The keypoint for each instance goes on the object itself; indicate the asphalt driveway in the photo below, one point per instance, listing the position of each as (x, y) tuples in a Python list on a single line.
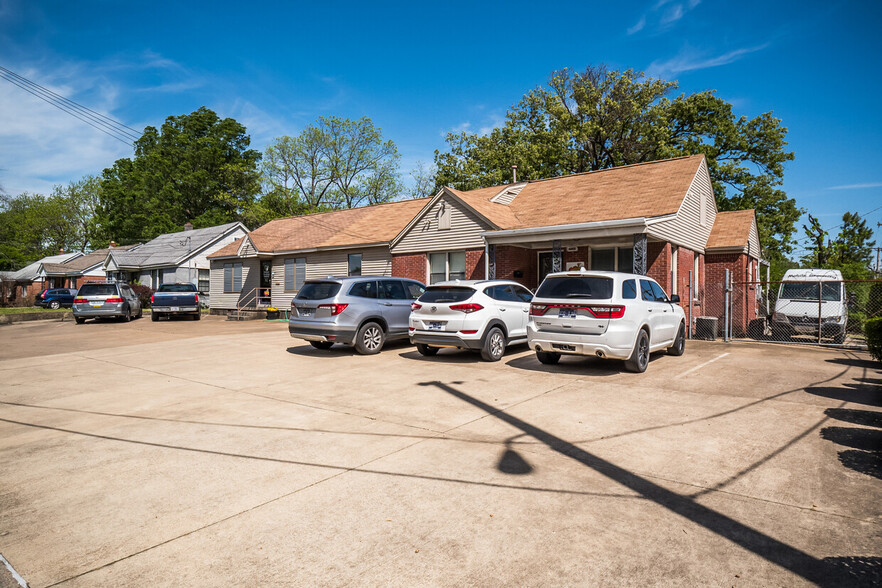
[(211, 453)]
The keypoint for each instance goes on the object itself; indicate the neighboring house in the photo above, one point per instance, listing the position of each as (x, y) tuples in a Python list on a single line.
[(29, 282), (268, 266), (173, 257), (79, 270), (652, 218)]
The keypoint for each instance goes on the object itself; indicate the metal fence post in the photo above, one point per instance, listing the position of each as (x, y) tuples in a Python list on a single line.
[(725, 317), (820, 320), (689, 288)]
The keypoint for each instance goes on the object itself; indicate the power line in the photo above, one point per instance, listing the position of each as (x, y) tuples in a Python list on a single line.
[(811, 239), (103, 123)]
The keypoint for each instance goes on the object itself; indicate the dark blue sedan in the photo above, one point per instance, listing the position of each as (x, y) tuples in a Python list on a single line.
[(56, 297)]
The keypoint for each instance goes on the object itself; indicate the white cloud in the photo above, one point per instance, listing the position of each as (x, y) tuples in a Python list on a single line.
[(673, 14), (663, 15), (690, 60), (857, 186), (638, 26)]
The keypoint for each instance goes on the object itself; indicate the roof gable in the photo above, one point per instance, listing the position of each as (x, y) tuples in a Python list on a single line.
[(734, 230), (172, 248)]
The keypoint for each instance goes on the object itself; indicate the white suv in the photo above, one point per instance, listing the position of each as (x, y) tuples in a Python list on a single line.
[(485, 315), (607, 314)]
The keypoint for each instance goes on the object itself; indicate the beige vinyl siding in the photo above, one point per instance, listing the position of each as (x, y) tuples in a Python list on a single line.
[(464, 232), (200, 261), (228, 300), (753, 240), (246, 249), (375, 261), (685, 228)]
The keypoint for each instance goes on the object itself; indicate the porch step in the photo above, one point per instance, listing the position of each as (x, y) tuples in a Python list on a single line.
[(247, 315)]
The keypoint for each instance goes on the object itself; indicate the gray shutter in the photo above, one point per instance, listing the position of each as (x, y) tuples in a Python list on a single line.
[(300, 276), (237, 277), (228, 277), (289, 275)]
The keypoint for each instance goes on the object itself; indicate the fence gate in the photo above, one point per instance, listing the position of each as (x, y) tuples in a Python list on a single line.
[(816, 313)]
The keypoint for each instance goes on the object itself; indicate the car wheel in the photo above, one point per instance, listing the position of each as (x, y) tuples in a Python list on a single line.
[(54, 305), (140, 312), (426, 350), (79, 320), (839, 338), (127, 317), (370, 339), (154, 316), (640, 356), (679, 345), (197, 316), (321, 344), (779, 334), (494, 345), (548, 357)]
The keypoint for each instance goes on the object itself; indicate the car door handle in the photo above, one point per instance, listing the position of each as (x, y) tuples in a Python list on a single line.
[(650, 310), (386, 303), (502, 309)]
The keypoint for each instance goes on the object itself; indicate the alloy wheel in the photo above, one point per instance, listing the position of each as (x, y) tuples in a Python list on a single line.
[(372, 338)]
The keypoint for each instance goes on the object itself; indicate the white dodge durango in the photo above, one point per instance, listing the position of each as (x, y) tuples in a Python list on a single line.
[(606, 314)]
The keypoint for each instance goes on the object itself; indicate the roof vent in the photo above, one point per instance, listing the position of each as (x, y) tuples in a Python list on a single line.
[(508, 194), (188, 226)]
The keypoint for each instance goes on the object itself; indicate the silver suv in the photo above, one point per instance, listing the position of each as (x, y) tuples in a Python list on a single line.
[(106, 300), (364, 311)]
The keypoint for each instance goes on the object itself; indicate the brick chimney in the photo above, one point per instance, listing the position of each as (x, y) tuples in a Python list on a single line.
[(188, 226), (112, 244), (61, 249)]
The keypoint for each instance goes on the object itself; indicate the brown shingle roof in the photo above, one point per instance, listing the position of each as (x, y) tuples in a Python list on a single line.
[(731, 229), (355, 226), (641, 190)]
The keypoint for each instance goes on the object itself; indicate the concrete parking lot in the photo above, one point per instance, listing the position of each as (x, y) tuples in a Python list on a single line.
[(213, 454)]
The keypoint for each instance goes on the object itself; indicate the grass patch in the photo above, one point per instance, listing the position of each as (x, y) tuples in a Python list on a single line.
[(27, 309)]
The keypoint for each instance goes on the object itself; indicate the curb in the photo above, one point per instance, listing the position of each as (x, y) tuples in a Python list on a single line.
[(7, 319)]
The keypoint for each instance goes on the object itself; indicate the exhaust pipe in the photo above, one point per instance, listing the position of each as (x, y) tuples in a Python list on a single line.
[(600, 353), (538, 348)]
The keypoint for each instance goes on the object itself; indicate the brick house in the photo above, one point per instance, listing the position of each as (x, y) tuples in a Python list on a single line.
[(652, 218), (79, 270)]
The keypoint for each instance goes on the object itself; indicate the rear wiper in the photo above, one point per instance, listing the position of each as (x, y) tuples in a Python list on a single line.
[(446, 300), (574, 295)]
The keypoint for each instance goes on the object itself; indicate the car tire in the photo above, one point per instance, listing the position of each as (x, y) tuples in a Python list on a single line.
[(79, 320), (127, 317), (324, 345), (197, 316), (154, 316), (370, 338), (679, 346), (494, 345), (55, 305), (426, 350), (839, 338), (640, 355), (548, 357), (140, 312)]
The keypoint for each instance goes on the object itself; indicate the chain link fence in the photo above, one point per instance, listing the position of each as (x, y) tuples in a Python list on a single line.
[(809, 312)]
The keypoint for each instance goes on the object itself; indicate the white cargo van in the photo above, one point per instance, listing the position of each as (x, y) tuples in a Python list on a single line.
[(804, 296)]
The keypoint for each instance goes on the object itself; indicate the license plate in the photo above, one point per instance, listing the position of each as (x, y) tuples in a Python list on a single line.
[(567, 313), (175, 308), (98, 305), (305, 312), (435, 326)]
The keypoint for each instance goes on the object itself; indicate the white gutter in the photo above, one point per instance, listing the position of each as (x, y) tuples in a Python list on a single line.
[(553, 230)]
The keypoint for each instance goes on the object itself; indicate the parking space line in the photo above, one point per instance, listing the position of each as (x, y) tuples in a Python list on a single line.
[(15, 575), (701, 365)]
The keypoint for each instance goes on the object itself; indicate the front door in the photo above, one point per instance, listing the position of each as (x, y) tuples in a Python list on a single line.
[(266, 281), (546, 262)]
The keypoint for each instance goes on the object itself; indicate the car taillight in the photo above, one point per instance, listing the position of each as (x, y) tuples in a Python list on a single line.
[(151, 299), (538, 309), (80, 301), (335, 308), (196, 296), (469, 332), (607, 312), (113, 300), (467, 308), (415, 306)]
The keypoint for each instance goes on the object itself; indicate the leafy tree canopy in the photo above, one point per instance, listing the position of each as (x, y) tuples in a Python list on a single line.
[(333, 163), (34, 226), (197, 168), (603, 118), (850, 252)]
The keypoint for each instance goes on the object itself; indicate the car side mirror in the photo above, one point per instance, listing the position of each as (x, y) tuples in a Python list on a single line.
[(675, 299)]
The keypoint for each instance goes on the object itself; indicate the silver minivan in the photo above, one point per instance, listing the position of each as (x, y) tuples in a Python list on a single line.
[(363, 311), (106, 300)]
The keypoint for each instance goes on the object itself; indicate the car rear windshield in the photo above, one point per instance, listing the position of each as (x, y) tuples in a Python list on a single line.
[(446, 294), (177, 288), (594, 288), (97, 290), (809, 291), (318, 290)]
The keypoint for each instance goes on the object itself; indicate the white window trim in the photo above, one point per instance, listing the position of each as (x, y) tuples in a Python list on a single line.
[(675, 250), (696, 264)]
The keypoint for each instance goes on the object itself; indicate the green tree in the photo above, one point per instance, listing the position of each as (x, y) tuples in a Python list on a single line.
[(854, 244), (603, 118), (79, 202), (197, 167), (820, 252), (423, 180), (34, 226)]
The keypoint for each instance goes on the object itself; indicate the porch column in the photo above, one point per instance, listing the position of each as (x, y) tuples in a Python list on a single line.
[(491, 262), (556, 256), (640, 254)]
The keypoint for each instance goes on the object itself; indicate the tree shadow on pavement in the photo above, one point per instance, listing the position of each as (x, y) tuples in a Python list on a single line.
[(868, 396), (867, 418), (856, 362), (856, 438)]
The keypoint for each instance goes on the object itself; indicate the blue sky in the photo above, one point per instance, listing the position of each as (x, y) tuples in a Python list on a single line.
[(420, 70)]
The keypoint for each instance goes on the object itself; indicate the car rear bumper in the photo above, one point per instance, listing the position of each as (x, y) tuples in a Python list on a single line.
[(175, 309), (321, 332), (436, 339), (576, 344), (87, 311)]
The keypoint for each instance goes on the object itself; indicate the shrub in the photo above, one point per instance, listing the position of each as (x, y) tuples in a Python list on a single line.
[(874, 337), (144, 293), (874, 302)]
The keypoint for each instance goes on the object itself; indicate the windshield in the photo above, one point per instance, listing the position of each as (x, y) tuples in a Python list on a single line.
[(177, 288), (97, 290), (594, 288), (446, 294), (318, 290), (809, 291)]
